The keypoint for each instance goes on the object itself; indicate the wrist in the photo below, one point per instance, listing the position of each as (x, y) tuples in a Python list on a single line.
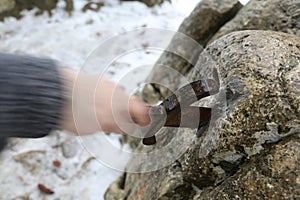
[(68, 80)]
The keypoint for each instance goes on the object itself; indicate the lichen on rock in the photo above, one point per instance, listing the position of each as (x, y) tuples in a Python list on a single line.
[(276, 15), (251, 148), (258, 124)]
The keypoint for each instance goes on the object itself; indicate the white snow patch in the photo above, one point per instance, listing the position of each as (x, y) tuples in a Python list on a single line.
[(244, 2)]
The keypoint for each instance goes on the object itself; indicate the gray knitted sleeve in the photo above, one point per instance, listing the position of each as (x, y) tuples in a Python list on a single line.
[(31, 97)]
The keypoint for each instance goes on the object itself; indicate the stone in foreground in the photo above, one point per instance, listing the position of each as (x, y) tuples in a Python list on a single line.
[(251, 148)]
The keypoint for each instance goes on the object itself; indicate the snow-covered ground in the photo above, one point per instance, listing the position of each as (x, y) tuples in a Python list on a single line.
[(71, 40)]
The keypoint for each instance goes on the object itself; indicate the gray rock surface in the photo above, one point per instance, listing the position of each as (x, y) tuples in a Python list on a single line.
[(6, 5), (276, 15), (274, 174), (14, 7), (251, 149), (182, 53)]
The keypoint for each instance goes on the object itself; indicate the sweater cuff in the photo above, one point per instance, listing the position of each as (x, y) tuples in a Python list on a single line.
[(31, 96)]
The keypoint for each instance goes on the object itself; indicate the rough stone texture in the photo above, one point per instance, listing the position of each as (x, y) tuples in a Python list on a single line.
[(19, 5), (251, 149), (276, 15), (6, 5), (275, 174), (14, 7), (181, 55)]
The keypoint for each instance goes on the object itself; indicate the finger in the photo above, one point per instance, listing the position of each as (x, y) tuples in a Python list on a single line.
[(139, 111)]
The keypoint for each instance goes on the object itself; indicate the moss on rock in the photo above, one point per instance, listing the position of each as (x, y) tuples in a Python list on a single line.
[(253, 139)]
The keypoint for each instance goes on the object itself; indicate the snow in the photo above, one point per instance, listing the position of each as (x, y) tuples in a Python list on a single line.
[(71, 40), (244, 2)]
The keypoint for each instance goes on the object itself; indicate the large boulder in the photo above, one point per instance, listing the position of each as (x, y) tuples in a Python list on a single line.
[(252, 145)]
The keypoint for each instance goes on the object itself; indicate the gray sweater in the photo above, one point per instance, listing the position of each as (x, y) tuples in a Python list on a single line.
[(31, 97)]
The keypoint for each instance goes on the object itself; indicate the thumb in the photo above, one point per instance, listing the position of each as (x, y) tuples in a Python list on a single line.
[(139, 111)]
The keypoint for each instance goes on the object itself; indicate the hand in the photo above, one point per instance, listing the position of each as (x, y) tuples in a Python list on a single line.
[(95, 103)]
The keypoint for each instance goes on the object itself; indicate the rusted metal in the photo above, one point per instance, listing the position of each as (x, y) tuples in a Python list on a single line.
[(175, 110), (184, 117)]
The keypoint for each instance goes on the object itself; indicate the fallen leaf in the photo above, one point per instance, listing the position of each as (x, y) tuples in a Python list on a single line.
[(44, 189)]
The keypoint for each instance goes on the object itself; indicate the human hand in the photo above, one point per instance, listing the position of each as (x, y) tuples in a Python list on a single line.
[(99, 104)]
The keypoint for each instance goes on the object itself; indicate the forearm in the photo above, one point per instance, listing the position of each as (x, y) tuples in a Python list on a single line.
[(36, 97), (31, 96)]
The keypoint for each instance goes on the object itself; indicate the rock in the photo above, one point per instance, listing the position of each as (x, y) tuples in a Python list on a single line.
[(42, 5), (45, 5), (32, 160), (70, 148), (274, 174), (114, 191), (69, 6), (253, 136), (200, 26), (273, 15), (6, 5), (14, 7), (94, 6)]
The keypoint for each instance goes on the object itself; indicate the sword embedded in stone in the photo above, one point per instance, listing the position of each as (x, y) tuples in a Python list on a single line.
[(175, 110)]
